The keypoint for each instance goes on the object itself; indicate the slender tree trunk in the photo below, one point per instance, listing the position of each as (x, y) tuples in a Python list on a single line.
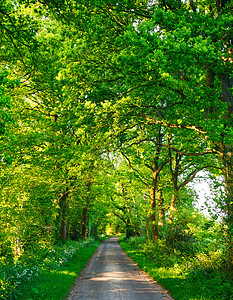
[(128, 222), (128, 228), (161, 209), (210, 83), (174, 176), (173, 206), (153, 221), (227, 159), (18, 248), (84, 221), (147, 218), (156, 168), (85, 209), (63, 207)]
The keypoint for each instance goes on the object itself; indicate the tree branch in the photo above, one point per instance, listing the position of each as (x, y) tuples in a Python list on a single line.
[(172, 148), (131, 167), (161, 166), (193, 174), (119, 216)]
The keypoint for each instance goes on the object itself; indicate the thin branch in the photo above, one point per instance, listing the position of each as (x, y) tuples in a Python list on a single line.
[(139, 142), (169, 125), (190, 154), (161, 166), (193, 174), (131, 167), (120, 217), (149, 167), (190, 177), (172, 148)]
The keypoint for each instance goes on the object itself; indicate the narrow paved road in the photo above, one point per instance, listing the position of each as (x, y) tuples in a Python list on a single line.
[(112, 275)]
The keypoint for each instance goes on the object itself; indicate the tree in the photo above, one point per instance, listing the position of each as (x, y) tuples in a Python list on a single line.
[(122, 82), (178, 74)]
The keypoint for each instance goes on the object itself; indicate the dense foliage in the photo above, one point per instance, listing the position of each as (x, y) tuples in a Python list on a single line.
[(108, 110), (186, 276), (46, 275)]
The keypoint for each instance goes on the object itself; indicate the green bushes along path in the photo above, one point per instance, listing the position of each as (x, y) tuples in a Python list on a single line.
[(50, 276), (201, 277)]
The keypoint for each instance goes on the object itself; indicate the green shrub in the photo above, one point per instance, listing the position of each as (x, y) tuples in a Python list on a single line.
[(15, 278), (199, 276), (180, 239)]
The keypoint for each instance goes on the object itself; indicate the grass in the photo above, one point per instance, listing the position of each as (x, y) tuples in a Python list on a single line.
[(183, 282), (55, 284), (48, 275)]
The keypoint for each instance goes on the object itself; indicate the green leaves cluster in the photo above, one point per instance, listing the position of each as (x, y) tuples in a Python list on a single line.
[(149, 83)]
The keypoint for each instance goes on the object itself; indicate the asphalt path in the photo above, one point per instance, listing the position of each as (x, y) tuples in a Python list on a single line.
[(112, 275)]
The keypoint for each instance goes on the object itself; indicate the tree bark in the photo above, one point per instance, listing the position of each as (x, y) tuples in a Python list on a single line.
[(173, 206), (84, 221), (63, 207), (129, 231), (156, 169), (227, 160), (227, 96), (153, 221), (161, 209), (147, 218), (174, 175), (209, 83), (85, 209)]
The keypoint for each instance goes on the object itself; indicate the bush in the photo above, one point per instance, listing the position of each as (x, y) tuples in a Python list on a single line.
[(156, 251), (135, 240), (199, 276), (209, 273), (14, 278), (180, 240)]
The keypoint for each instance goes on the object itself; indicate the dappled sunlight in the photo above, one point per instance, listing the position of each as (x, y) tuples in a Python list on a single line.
[(116, 118), (112, 276)]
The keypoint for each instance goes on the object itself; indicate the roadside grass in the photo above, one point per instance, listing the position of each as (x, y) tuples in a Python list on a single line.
[(55, 284), (51, 278), (180, 276)]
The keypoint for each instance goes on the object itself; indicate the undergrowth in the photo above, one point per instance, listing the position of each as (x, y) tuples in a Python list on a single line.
[(48, 274), (187, 275)]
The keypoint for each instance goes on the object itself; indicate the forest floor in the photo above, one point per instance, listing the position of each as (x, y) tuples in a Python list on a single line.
[(111, 274)]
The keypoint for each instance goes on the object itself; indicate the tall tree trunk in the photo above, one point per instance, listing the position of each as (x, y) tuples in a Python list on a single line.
[(147, 218), (63, 207), (153, 221), (210, 83), (128, 222), (161, 209), (156, 170), (84, 220), (128, 229), (174, 176), (227, 160), (85, 209), (18, 248), (173, 206)]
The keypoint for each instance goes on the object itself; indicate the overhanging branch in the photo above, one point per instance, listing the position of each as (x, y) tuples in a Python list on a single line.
[(131, 167), (172, 148)]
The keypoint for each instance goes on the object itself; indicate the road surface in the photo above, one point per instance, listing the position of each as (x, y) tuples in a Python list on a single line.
[(112, 275)]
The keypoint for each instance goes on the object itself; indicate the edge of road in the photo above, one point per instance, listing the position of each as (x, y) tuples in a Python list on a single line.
[(149, 279), (83, 274)]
